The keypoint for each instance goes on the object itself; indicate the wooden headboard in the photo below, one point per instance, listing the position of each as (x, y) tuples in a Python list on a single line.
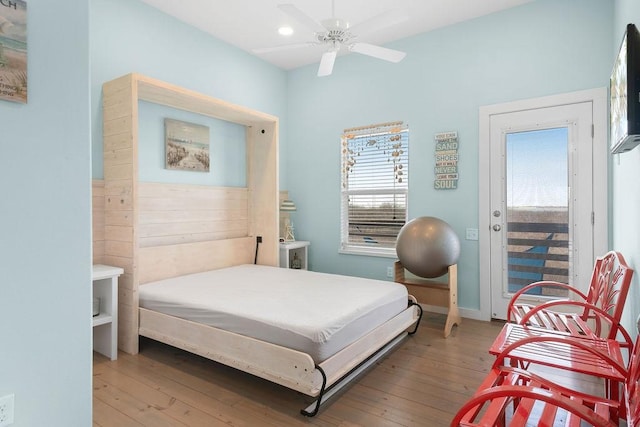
[(190, 228), (154, 231), (179, 230)]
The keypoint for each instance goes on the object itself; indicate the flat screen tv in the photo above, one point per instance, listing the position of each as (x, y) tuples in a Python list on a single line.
[(624, 95)]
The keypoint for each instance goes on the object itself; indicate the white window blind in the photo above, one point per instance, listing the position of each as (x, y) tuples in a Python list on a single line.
[(375, 183)]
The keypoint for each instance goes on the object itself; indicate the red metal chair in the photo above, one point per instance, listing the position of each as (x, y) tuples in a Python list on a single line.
[(594, 315), (511, 396), (526, 345)]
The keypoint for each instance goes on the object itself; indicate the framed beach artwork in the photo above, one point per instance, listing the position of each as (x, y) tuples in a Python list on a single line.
[(13, 50), (186, 146)]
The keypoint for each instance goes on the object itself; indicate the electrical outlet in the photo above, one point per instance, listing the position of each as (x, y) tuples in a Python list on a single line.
[(472, 234), (6, 410), (389, 271)]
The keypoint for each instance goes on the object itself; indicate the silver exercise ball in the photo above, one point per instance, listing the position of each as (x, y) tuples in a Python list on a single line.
[(427, 246)]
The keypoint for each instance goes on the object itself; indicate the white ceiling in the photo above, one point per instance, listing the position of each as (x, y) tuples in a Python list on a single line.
[(252, 24)]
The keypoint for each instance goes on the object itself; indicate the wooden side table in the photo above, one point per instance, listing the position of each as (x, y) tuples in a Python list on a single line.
[(105, 324)]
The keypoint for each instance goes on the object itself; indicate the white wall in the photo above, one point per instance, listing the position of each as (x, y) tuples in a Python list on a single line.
[(45, 242)]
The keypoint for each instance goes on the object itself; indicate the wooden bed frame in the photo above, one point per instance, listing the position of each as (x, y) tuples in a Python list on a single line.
[(291, 368), (156, 231)]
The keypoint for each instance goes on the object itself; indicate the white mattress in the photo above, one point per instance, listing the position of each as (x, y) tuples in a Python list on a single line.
[(312, 312)]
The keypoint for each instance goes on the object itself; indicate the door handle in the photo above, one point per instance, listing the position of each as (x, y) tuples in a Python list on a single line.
[(496, 227)]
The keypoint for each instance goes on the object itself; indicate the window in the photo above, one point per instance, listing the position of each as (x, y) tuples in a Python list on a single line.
[(375, 183)]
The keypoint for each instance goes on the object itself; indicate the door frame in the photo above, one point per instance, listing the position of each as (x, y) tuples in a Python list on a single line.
[(598, 98)]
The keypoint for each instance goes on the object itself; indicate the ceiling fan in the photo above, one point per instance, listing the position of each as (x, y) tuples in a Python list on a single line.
[(336, 33)]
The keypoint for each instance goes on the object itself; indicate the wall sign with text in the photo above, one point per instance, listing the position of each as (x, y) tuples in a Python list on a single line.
[(446, 170), (13, 50)]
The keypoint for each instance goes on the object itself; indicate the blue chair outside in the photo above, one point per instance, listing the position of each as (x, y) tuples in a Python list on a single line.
[(530, 276)]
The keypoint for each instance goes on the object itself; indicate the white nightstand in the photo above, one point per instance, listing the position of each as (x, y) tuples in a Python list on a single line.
[(105, 324), (294, 254)]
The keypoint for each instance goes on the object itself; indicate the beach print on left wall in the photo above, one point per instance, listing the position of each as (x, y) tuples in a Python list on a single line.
[(13, 50)]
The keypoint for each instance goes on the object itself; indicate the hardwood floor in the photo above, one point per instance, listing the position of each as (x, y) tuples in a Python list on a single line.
[(422, 383)]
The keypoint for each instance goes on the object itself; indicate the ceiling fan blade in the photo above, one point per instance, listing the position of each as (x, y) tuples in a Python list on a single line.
[(378, 52), (302, 17), (326, 63), (283, 47), (380, 21)]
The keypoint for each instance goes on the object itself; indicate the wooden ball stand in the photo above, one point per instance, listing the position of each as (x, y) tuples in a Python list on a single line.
[(433, 292)]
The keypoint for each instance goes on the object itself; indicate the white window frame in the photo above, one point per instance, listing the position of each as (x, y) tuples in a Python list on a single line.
[(347, 247)]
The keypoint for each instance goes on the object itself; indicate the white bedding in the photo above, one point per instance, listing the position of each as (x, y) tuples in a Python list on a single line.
[(312, 312)]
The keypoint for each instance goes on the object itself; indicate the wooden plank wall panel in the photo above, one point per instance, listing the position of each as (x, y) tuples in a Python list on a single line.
[(174, 214), (161, 262), (262, 179), (120, 130), (98, 218)]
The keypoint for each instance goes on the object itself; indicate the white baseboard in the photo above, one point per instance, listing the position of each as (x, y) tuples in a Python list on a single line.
[(464, 312)]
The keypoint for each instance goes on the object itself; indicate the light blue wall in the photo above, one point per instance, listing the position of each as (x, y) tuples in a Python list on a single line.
[(45, 244), (626, 183), (546, 47), (542, 48), (129, 36)]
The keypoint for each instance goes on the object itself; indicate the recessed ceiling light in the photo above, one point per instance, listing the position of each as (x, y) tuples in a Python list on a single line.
[(285, 31)]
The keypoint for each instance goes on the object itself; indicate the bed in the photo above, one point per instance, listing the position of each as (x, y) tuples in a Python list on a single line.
[(305, 330), (161, 232)]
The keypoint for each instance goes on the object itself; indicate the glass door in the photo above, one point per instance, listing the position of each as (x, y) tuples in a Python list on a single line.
[(541, 201), (537, 209)]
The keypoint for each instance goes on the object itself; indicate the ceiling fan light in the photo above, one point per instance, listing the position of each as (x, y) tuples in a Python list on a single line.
[(335, 24), (285, 31)]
